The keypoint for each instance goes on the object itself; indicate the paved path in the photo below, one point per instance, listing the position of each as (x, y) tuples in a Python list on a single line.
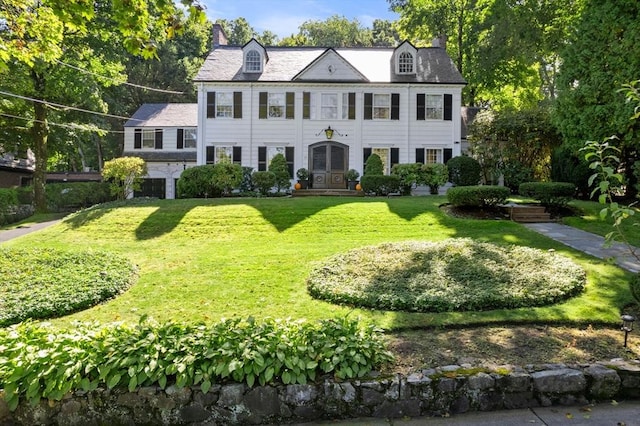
[(588, 243), (9, 234), (625, 413)]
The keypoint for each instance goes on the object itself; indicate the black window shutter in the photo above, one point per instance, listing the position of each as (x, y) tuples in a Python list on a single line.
[(211, 104), (420, 106), (180, 139), (448, 105), (395, 156), (352, 106), (288, 154), (262, 112), (262, 158), (368, 106), (237, 104), (395, 106), (366, 153), (306, 105), (158, 138), (447, 154), (237, 155), (211, 154), (291, 105), (420, 155), (137, 139)]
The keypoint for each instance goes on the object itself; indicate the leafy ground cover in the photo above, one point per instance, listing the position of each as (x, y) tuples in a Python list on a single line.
[(457, 274), (203, 260), (43, 282)]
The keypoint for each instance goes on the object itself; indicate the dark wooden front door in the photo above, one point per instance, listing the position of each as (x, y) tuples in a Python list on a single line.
[(328, 163)]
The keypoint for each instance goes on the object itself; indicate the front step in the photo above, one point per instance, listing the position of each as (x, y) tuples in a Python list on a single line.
[(527, 213), (326, 193)]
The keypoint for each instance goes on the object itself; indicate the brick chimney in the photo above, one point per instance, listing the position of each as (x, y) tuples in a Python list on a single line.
[(219, 36)]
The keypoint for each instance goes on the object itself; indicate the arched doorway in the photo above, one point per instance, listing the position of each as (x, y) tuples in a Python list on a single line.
[(328, 163)]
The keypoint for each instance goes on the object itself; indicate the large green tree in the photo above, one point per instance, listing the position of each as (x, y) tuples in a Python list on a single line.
[(604, 54), (335, 31), (38, 34), (239, 32)]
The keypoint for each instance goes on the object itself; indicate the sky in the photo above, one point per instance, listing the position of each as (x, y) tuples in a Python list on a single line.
[(283, 17)]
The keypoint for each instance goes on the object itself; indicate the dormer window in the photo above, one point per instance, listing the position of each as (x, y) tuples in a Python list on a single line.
[(405, 63), (253, 61)]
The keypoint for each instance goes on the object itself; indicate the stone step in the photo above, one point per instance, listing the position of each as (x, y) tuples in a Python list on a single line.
[(527, 213)]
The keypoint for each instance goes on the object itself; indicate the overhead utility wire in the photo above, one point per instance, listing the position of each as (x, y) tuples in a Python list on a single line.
[(70, 126), (67, 107), (173, 92)]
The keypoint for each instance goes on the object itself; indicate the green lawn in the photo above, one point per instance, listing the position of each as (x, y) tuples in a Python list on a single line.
[(202, 260)]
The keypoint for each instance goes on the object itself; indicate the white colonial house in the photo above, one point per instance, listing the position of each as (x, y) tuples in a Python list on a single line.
[(325, 109)]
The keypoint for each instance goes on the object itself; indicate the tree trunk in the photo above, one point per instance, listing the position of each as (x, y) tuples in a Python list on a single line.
[(40, 137)]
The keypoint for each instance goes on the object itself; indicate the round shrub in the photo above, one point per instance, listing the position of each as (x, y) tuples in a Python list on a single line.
[(455, 274), (434, 175), (197, 182), (551, 194), (380, 184), (263, 181), (408, 174), (477, 196), (278, 166), (464, 171), (46, 283)]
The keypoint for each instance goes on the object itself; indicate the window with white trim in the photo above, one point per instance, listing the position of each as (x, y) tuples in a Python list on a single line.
[(224, 104), (329, 106), (405, 63), (253, 61), (381, 106), (432, 156), (433, 107), (190, 138), (148, 138), (276, 105), (224, 154)]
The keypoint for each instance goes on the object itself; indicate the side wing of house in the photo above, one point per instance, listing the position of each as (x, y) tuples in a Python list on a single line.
[(165, 136)]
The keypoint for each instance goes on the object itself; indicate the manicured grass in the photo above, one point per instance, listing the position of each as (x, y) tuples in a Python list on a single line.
[(588, 219), (202, 260)]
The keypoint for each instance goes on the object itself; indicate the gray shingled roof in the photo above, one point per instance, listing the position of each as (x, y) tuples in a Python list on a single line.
[(433, 65), (165, 115)]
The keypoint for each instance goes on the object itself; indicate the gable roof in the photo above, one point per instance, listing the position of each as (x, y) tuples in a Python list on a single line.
[(328, 57), (165, 115), (433, 65)]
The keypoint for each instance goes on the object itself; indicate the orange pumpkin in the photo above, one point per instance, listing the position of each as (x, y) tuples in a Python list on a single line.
[(297, 186), (358, 187)]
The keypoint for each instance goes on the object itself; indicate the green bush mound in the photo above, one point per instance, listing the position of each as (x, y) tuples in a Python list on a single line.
[(47, 283), (550, 194), (477, 196), (451, 275), (38, 362)]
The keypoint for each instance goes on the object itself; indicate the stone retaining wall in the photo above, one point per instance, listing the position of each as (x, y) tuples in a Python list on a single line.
[(446, 390), (14, 214)]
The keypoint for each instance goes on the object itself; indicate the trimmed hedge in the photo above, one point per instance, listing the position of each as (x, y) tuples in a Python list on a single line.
[(451, 275), (380, 184), (8, 197), (477, 196), (46, 283), (38, 362), (551, 194)]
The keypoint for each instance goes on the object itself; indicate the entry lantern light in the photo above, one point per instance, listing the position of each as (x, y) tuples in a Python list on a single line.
[(328, 133), (627, 326)]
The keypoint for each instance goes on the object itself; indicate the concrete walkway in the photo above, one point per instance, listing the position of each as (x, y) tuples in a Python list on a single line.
[(625, 413), (10, 234), (588, 243)]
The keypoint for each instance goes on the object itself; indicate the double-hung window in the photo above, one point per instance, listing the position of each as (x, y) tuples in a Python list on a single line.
[(389, 157), (266, 154), (329, 106), (223, 154), (433, 155), (434, 107), (186, 138), (147, 139), (381, 106), (224, 105), (276, 104)]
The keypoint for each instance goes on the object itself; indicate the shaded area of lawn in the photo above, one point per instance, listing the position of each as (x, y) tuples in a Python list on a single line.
[(202, 260)]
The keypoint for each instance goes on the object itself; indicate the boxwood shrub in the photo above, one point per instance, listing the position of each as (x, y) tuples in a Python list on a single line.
[(38, 362), (464, 170), (75, 195), (477, 196), (380, 184), (550, 194), (46, 283)]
